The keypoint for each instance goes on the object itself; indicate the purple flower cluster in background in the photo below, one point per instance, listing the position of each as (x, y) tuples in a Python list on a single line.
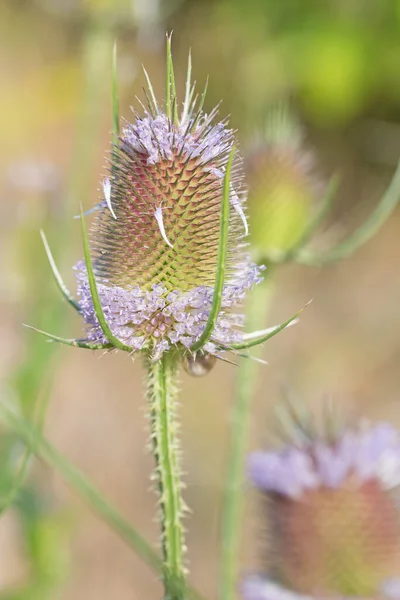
[(373, 453), (333, 515), (259, 588)]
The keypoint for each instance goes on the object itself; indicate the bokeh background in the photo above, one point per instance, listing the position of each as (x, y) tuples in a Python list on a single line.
[(338, 62)]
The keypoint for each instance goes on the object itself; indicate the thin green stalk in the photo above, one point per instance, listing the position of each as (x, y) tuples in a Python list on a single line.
[(57, 275), (95, 293), (232, 510), (170, 95), (114, 97), (162, 397), (21, 474), (96, 52)]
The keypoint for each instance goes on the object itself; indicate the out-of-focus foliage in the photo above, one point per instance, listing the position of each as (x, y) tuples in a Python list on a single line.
[(283, 186), (337, 61), (338, 57)]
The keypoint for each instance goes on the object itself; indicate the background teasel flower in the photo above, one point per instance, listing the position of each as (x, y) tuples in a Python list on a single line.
[(332, 503), (283, 186)]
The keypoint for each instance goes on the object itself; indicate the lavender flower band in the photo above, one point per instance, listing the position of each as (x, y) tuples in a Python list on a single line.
[(156, 138), (373, 453), (259, 588), (163, 318)]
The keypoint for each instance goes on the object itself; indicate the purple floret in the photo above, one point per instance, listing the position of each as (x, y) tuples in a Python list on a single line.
[(159, 318), (373, 453), (260, 588)]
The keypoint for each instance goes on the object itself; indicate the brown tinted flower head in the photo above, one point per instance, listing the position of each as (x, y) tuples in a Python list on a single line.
[(155, 241), (283, 187), (333, 516)]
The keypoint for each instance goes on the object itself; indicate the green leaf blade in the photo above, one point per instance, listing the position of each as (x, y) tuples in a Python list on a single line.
[(268, 334)]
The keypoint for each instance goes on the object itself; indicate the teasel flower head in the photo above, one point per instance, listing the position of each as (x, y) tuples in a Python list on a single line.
[(283, 186), (333, 515), (166, 262)]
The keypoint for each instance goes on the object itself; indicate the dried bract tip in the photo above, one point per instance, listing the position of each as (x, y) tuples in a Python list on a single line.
[(333, 515), (107, 196)]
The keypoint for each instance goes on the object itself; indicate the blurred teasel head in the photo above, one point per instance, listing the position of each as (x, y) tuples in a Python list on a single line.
[(166, 263), (283, 187), (333, 515)]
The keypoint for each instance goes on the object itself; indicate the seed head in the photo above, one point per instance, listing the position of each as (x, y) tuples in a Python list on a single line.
[(283, 187), (154, 241), (333, 516)]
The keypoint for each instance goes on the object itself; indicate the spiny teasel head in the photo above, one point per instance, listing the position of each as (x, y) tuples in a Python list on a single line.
[(166, 267), (333, 515), (283, 188), (155, 242)]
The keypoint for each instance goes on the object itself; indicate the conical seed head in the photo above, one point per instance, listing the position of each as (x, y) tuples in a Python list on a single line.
[(343, 541), (166, 170)]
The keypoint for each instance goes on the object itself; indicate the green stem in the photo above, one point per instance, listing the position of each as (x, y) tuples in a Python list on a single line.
[(232, 510), (162, 396)]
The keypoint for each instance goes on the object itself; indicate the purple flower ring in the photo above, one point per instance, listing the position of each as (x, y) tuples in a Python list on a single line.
[(332, 506)]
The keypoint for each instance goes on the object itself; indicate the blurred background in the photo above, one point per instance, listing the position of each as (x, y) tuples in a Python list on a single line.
[(338, 63)]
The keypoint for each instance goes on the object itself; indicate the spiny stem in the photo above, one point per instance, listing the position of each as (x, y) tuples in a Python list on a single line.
[(162, 397), (232, 509)]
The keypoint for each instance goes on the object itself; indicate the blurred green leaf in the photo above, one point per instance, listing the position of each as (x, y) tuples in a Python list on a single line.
[(40, 446), (361, 235)]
